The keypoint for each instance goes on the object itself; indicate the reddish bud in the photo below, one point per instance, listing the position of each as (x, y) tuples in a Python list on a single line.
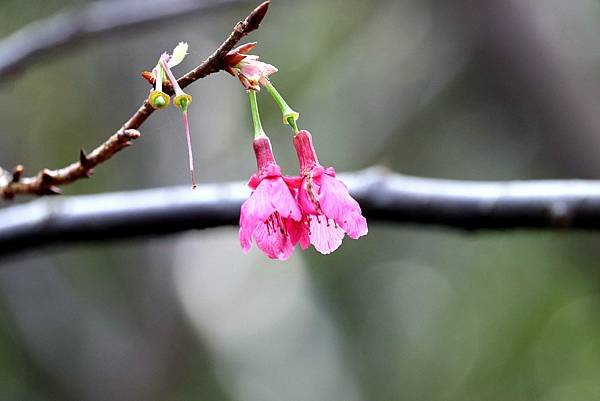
[(148, 76), (245, 48), (256, 16), (235, 56), (232, 59)]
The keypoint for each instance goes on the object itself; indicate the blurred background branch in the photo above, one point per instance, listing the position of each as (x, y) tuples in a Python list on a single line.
[(97, 20), (384, 196)]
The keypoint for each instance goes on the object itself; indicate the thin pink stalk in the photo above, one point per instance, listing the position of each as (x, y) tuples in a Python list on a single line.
[(189, 143), (164, 62)]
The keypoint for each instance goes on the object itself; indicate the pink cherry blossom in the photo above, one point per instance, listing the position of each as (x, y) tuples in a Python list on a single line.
[(271, 213), (250, 71), (328, 210)]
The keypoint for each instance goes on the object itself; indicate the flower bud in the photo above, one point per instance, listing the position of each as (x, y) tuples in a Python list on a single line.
[(158, 99), (182, 101)]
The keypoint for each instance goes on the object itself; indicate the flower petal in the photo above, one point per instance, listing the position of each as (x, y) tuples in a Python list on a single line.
[(253, 181), (298, 231), (325, 236), (293, 181), (308, 195), (336, 203), (355, 225), (246, 230), (271, 196), (178, 55), (282, 199), (255, 70), (274, 242)]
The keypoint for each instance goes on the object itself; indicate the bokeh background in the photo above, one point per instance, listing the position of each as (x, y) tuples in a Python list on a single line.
[(501, 89)]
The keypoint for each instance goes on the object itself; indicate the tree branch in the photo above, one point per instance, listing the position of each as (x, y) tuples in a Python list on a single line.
[(384, 196), (46, 182), (96, 20)]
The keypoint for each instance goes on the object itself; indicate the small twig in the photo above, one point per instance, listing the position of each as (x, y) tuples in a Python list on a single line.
[(96, 20), (383, 196), (47, 182)]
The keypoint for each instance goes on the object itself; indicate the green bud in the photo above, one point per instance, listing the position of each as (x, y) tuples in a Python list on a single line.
[(158, 99), (290, 114), (182, 101)]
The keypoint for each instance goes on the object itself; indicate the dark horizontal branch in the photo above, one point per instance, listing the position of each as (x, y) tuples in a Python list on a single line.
[(384, 196), (96, 20)]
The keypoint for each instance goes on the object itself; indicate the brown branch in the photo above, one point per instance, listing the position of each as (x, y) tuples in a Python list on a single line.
[(47, 182)]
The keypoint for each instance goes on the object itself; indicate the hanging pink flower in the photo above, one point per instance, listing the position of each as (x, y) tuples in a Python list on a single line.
[(328, 210), (271, 213)]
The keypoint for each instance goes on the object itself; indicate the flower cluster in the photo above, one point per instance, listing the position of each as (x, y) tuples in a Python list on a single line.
[(313, 207)]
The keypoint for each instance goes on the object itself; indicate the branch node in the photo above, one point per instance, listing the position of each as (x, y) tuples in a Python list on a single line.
[(129, 134), (47, 177), (239, 27), (83, 159), (17, 173)]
